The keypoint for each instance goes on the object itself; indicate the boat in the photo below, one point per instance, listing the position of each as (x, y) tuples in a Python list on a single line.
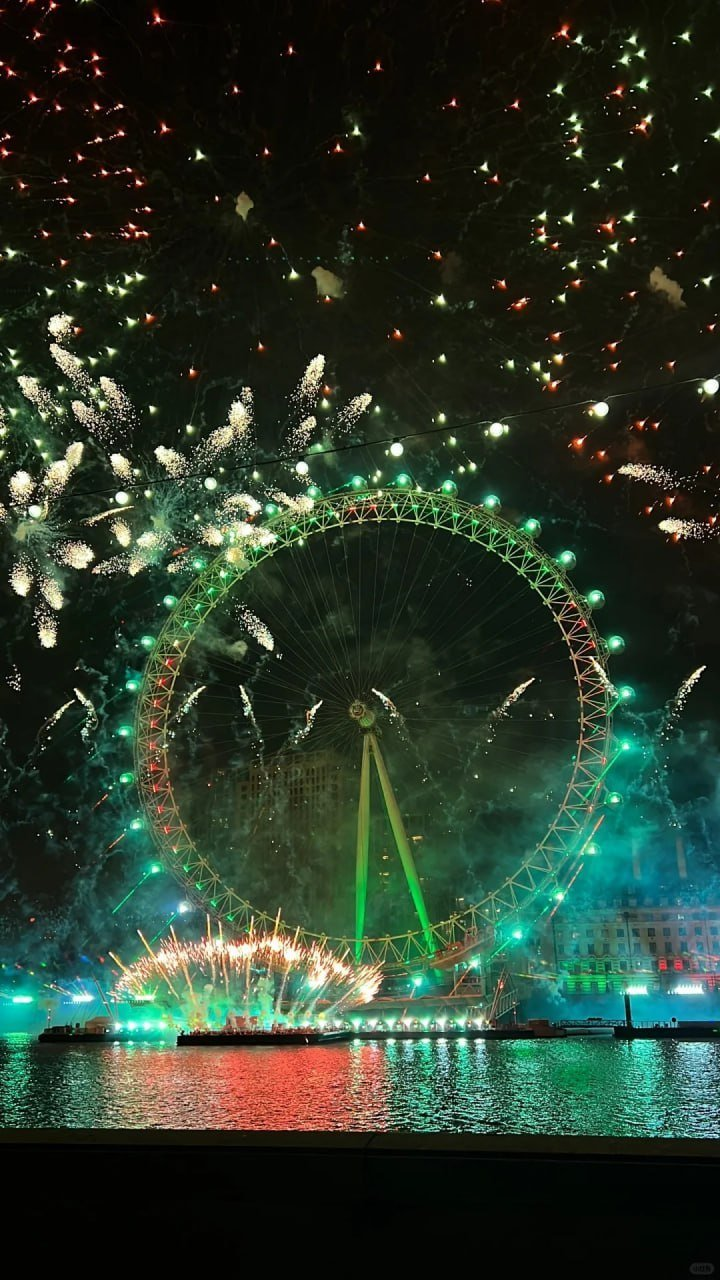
[(233, 1038), (99, 1030)]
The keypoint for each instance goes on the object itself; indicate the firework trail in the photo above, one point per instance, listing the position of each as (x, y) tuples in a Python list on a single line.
[(44, 730), (658, 476), (91, 715), (189, 702), (249, 713), (500, 712), (675, 707), (604, 678), (300, 735), (396, 716), (256, 628), (697, 529)]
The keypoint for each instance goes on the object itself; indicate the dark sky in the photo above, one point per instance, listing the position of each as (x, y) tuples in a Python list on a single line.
[(493, 184)]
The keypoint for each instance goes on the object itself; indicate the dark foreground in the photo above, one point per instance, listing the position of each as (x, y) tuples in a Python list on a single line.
[(624, 1203)]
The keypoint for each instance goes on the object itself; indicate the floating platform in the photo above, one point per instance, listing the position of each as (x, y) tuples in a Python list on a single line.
[(247, 1039), (683, 1031), (454, 1033), (99, 1037)]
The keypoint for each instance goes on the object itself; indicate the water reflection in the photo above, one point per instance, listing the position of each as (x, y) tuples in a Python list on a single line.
[(658, 1089)]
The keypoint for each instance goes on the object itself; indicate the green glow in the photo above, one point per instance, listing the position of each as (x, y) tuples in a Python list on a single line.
[(592, 849), (137, 824), (313, 491), (132, 686), (147, 642), (614, 799), (126, 778), (358, 482), (169, 601), (124, 731), (492, 502), (417, 979), (271, 509), (403, 480), (449, 486), (532, 527), (517, 934), (626, 693), (595, 599), (22, 999), (198, 564), (615, 644), (154, 869), (567, 559)]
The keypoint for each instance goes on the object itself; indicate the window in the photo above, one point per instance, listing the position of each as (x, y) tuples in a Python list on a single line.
[(637, 949), (699, 946), (682, 932), (606, 948), (652, 947), (589, 933), (713, 930), (698, 931), (666, 933), (620, 933), (636, 933), (651, 933), (561, 950), (668, 948), (621, 948)]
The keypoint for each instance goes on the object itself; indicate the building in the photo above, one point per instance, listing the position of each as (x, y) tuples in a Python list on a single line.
[(308, 789), (658, 945)]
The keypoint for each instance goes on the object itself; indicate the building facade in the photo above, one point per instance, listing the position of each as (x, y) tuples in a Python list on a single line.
[(661, 946)]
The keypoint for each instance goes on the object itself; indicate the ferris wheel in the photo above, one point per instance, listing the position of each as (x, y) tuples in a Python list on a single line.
[(389, 710)]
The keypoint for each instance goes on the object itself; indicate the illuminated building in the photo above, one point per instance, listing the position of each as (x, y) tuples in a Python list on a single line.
[(599, 949)]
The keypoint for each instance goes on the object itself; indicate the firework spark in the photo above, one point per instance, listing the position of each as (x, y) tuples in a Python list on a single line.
[(91, 715), (302, 733), (189, 702), (269, 978), (674, 708)]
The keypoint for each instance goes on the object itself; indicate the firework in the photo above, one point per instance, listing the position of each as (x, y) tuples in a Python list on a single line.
[(500, 712), (674, 708), (91, 715), (189, 702), (689, 529), (271, 978), (395, 716), (302, 733), (604, 679), (256, 628)]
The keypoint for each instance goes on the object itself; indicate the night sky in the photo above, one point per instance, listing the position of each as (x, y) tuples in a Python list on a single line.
[(515, 210)]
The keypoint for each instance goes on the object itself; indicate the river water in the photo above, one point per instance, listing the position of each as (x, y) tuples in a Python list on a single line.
[(579, 1086)]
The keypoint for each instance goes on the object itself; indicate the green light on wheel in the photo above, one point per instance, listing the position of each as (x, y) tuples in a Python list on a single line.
[(615, 644), (403, 480), (132, 686), (154, 869), (169, 601), (126, 779), (532, 528), (614, 799), (567, 559), (137, 824), (124, 731), (491, 502), (449, 486), (595, 599), (592, 849), (271, 509), (313, 491), (358, 482), (417, 979), (626, 693), (147, 642), (517, 934), (198, 564)]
